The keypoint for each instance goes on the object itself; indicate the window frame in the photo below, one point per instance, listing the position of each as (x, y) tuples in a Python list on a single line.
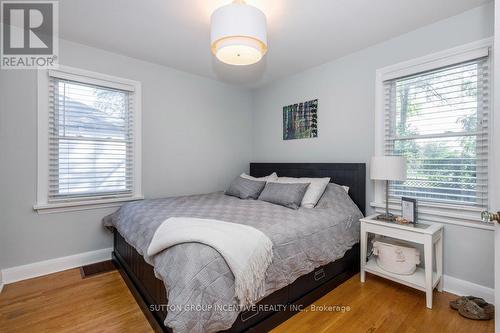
[(43, 205), (432, 211)]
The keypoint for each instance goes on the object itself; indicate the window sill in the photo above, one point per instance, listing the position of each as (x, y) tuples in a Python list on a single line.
[(71, 206), (447, 214)]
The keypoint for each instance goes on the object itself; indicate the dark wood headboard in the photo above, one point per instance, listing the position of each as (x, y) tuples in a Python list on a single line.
[(348, 174)]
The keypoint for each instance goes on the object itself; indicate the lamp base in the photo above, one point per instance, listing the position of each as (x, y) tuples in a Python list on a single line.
[(386, 217)]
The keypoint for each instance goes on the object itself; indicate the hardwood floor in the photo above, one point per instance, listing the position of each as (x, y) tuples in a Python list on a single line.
[(379, 305), (64, 302)]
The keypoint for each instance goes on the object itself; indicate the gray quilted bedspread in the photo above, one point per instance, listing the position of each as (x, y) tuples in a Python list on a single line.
[(199, 284)]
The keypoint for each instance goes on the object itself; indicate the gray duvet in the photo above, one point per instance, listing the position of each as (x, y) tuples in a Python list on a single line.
[(199, 284)]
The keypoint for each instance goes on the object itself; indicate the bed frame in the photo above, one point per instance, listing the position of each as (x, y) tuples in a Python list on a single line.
[(150, 293)]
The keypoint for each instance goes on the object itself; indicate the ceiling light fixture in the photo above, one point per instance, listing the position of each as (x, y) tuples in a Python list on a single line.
[(238, 34)]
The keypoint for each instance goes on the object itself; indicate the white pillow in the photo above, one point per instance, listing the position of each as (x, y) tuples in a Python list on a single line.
[(314, 192), (346, 188), (271, 178)]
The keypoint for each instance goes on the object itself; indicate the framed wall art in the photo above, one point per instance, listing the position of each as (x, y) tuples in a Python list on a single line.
[(300, 121)]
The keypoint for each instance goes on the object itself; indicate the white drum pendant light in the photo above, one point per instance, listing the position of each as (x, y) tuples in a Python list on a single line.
[(238, 34)]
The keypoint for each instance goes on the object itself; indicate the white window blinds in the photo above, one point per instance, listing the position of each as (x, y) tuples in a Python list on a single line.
[(439, 121), (90, 141)]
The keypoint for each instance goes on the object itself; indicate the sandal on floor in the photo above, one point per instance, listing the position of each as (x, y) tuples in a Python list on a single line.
[(472, 310), (456, 304)]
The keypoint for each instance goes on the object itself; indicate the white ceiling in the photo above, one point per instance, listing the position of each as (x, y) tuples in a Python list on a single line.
[(301, 33)]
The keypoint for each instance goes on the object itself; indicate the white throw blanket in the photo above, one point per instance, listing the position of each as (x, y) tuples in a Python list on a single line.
[(247, 251)]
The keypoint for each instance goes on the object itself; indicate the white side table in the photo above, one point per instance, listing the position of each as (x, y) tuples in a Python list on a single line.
[(430, 235)]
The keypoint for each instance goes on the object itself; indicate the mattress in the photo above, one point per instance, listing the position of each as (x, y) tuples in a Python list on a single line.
[(199, 284)]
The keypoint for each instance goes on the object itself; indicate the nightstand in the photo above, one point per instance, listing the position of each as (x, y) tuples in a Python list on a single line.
[(429, 235)]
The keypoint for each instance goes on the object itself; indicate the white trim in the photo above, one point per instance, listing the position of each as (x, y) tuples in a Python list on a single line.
[(444, 58), (465, 288), (137, 184), (42, 202), (425, 63), (495, 160), (1, 281), (92, 78), (429, 213), (40, 268), (71, 206), (42, 137)]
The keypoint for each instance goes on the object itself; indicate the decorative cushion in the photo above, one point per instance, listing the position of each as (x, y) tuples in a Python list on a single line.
[(336, 196), (271, 178), (288, 195), (314, 191), (245, 188)]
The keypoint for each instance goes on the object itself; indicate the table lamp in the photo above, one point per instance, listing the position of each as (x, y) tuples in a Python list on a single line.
[(388, 168)]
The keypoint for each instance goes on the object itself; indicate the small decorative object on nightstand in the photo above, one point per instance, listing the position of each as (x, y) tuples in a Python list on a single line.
[(387, 168), (490, 217), (430, 235)]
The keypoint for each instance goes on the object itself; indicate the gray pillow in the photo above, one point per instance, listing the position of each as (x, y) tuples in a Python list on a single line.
[(288, 195), (245, 188), (336, 197)]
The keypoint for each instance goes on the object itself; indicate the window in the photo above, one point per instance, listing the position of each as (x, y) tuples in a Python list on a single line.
[(435, 110), (438, 119), (92, 139)]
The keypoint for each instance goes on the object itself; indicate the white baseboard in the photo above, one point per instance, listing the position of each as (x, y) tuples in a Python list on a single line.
[(466, 288), (40, 268), (1, 281)]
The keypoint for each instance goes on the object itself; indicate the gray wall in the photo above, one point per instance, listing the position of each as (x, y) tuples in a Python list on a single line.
[(196, 137), (345, 89)]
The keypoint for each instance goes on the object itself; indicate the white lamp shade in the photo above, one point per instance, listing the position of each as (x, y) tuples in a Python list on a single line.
[(238, 34), (388, 168)]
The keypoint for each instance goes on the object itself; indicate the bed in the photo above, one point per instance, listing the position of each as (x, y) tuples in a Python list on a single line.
[(324, 260)]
